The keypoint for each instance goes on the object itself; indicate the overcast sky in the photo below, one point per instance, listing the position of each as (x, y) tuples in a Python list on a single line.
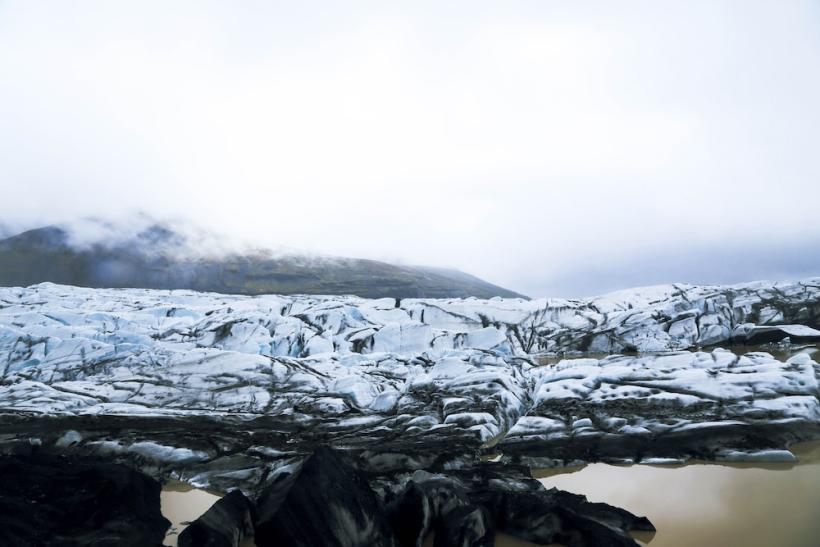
[(557, 148)]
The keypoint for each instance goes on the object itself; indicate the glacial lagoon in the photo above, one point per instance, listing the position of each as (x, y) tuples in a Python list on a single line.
[(700, 503)]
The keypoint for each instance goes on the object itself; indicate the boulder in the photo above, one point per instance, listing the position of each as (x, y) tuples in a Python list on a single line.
[(58, 500), (325, 503), (520, 506), (466, 506), (228, 522), (466, 526), (411, 516)]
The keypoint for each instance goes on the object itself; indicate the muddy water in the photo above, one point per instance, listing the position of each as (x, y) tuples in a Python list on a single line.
[(182, 504), (753, 505), (709, 504)]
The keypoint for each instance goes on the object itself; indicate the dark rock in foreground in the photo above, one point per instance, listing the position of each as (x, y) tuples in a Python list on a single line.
[(54, 500), (466, 526), (466, 506), (229, 521), (325, 503)]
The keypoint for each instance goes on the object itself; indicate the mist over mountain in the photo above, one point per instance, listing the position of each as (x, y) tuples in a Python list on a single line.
[(143, 253)]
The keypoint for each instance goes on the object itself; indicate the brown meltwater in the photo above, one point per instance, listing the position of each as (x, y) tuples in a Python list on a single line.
[(181, 504), (753, 505)]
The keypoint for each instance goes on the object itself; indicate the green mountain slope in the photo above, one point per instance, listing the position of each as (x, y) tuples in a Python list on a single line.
[(148, 261)]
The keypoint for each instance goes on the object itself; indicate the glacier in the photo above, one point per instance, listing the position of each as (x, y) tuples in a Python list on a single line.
[(218, 388)]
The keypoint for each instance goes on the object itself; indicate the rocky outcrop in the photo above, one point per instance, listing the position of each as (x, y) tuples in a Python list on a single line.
[(65, 501), (323, 503), (226, 524), (322, 500), (325, 500), (466, 505), (468, 526)]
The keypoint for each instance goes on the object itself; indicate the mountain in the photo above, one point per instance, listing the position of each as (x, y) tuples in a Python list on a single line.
[(158, 257)]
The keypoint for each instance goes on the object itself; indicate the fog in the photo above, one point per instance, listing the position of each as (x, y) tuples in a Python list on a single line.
[(555, 148)]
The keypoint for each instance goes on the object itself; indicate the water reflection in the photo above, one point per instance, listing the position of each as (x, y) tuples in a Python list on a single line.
[(753, 505), (710, 504)]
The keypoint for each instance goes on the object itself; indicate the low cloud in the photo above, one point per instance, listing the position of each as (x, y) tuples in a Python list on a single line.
[(533, 144)]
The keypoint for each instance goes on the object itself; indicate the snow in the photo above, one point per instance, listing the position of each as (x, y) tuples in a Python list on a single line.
[(153, 451), (799, 330), (69, 438), (763, 456)]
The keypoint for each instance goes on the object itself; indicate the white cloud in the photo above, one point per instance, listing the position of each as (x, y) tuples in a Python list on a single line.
[(514, 140)]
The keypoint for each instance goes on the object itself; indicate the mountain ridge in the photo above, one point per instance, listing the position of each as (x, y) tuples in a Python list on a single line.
[(157, 258)]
